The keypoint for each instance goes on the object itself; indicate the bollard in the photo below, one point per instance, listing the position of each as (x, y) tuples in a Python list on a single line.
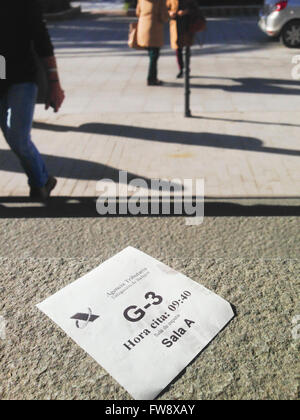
[(187, 89)]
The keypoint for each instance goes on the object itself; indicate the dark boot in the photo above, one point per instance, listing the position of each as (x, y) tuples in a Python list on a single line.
[(155, 82), (43, 193), (179, 55)]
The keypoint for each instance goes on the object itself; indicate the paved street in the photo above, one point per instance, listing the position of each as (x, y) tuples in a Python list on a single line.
[(243, 139)]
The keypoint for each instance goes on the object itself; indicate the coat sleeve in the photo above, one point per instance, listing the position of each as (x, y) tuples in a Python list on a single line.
[(138, 9), (164, 14), (39, 31), (173, 5)]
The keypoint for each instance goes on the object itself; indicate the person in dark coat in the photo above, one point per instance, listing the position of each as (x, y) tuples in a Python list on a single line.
[(23, 34), (180, 12)]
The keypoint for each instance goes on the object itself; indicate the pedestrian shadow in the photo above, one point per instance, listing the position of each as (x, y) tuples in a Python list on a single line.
[(224, 141), (265, 123), (244, 85), (256, 85), (85, 207), (78, 169)]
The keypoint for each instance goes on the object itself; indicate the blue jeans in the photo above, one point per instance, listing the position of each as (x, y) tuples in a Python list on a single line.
[(16, 116)]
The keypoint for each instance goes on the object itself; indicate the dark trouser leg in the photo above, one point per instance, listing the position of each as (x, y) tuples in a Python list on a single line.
[(179, 55), (153, 56)]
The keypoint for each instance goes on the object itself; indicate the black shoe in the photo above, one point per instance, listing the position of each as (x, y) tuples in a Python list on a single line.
[(42, 194), (155, 82), (180, 75)]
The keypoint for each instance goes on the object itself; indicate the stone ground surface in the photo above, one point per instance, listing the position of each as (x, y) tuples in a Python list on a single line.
[(247, 250), (251, 262)]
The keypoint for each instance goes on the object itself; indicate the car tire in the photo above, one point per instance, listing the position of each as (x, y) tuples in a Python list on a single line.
[(291, 34)]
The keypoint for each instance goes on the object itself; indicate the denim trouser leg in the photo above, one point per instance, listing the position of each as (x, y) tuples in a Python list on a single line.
[(16, 116)]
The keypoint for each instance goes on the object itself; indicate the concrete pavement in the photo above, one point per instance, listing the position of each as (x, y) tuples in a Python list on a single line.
[(242, 139)]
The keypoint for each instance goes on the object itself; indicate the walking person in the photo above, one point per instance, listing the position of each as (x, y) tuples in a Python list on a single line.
[(181, 12), (153, 14), (23, 30)]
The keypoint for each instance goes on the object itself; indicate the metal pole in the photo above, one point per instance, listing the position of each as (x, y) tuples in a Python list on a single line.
[(187, 88)]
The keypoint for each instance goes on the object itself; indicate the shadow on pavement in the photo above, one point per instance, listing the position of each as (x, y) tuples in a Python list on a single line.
[(223, 141), (114, 49), (77, 207), (253, 85), (73, 168), (247, 85), (206, 118)]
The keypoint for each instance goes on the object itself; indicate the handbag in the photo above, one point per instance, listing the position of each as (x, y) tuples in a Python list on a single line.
[(198, 23), (132, 37)]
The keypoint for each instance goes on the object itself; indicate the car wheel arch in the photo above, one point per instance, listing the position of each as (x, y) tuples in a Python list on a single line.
[(285, 26)]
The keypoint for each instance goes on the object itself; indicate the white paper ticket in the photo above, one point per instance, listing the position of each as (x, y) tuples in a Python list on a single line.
[(142, 321)]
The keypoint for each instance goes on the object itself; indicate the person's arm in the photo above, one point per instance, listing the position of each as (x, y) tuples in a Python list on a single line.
[(56, 93), (138, 9), (172, 13), (164, 13), (44, 48), (183, 12), (191, 9)]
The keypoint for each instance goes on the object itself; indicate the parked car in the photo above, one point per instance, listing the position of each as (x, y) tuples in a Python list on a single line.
[(282, 19)]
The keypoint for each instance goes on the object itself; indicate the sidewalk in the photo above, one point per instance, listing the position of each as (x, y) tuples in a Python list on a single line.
[(243, 139)]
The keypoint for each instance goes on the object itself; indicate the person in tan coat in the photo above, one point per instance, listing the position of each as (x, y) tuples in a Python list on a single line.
[(153, 14), (180, 12)]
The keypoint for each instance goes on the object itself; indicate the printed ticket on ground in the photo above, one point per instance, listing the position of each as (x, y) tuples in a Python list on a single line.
[(142, 321)]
